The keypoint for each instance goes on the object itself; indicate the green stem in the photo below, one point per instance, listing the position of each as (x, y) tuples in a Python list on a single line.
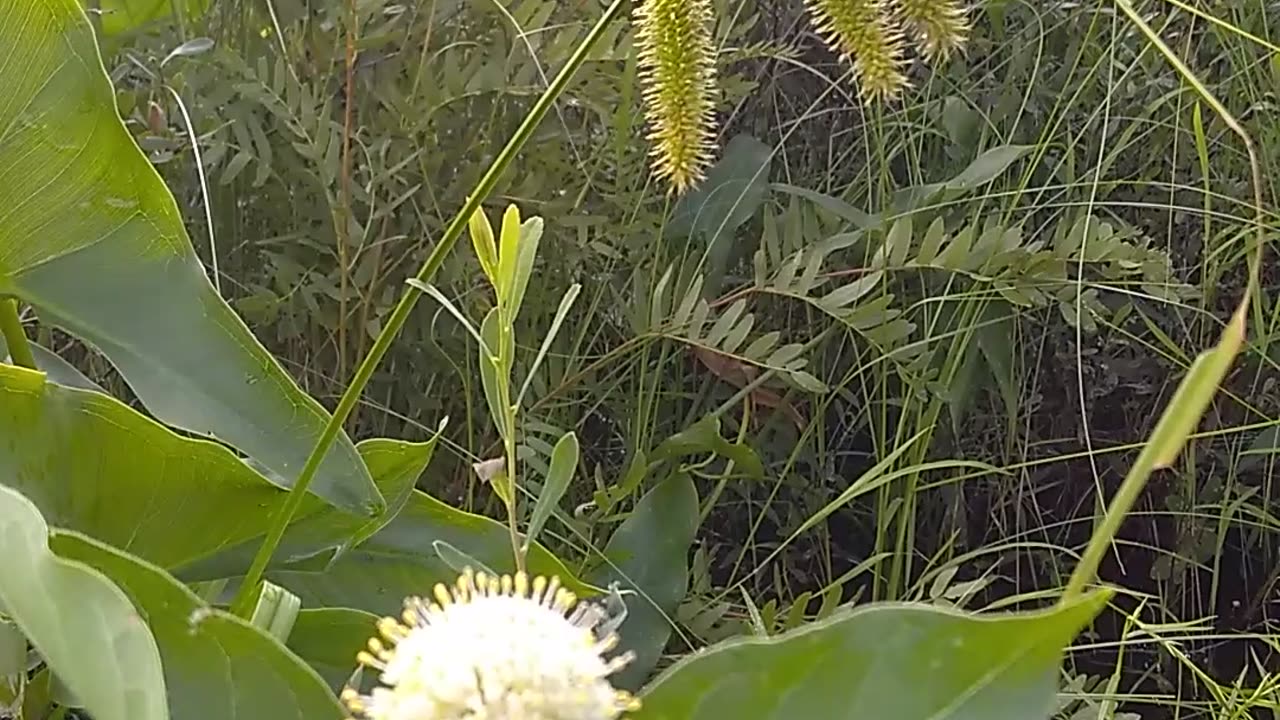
[(243, 604), (509, 442), (14, 337)]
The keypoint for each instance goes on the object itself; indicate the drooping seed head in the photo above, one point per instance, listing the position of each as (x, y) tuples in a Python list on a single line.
[(676, 54), (938, 28), (866, 32)]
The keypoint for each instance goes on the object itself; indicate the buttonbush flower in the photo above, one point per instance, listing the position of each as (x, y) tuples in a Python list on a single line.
[(676, 53), (493, 648), (866, 32), (937, 27)]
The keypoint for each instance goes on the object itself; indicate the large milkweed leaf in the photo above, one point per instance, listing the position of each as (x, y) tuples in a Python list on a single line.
[(410, 555), (94, 465), (82, 625), (92, 238), (907, 662), (649, 555), (216, 665), (328, 640)]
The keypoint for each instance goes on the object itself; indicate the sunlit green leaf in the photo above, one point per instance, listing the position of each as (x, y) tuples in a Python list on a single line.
[(216, 666), (92, 238), (92, 464)]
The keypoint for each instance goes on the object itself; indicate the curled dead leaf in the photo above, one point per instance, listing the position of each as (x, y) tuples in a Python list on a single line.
[(740, 374)]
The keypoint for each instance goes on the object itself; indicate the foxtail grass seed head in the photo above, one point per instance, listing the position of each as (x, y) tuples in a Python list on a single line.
[(868, 34), (937, 27), (677, 74), (494, 648)]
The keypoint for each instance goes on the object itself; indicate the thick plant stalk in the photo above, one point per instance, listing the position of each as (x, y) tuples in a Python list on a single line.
[(243, 603), (14, 337)]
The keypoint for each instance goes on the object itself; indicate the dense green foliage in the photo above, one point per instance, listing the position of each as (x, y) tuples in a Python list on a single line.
[(831, 415)]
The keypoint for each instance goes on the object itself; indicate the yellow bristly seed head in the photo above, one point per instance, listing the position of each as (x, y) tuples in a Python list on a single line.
[(938, 27), (867, 32), (677, 74)]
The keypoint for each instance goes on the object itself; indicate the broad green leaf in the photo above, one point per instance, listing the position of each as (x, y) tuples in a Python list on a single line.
[(988, 166), (906, 662), (83, 625), (732, 192), (328, 639), (932, 242), (215, 664), (851, 292), (396, 466), (704, 436), (400, 560), (92, 238), (94, 465), (897, 243), (649, 553), (564, 463), (985, 168)]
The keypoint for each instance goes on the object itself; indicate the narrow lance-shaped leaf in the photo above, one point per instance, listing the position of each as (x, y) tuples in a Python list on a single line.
[(485, 248), (508, 252), (530, 234), (564, 462), (494, 375)]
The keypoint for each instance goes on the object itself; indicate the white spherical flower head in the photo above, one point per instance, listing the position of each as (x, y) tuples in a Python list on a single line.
[(493, 648)]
